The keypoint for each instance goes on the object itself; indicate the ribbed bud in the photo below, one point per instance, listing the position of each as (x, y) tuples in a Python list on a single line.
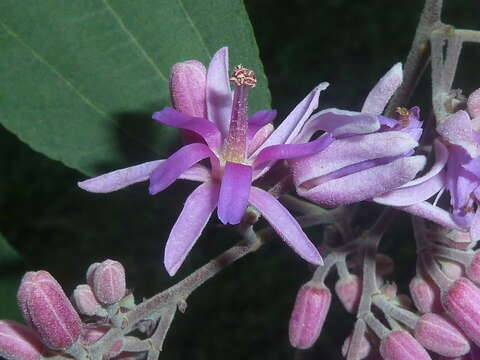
[(400, 345), (90, 272), (425, 295), (473, 269), (109, 284), (364, 349), (85, 301), (48, 310), (17, 342), (441, 336), (188, 82), (309, 313), (348, 290), (462, 303), (93, 334), (473, 104)]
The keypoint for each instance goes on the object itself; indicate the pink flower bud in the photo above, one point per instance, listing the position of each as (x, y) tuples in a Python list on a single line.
[(473, 104), (425, 295), (17, 342), (389, 290), (48, 310), (109, 282), (309, 313), (439, 335), (400, 345), (92, 334), (364, 350), (85, 300), (188, 81), (348, 290), (90, 272), (473, 269), (462, 303)]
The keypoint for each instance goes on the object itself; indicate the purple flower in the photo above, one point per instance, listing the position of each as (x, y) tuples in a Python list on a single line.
[(371, 154), (239, 149)]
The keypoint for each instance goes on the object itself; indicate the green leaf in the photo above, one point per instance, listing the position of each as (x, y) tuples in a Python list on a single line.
[(79, 79), (8, 255)]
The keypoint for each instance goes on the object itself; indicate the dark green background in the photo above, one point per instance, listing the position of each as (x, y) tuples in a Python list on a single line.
[(244, 312)]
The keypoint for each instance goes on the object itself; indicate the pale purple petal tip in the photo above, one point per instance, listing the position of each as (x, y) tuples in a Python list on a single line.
[(165, 174), (259, 120), (457, 129), (381, 93), (285, 225), (219, 94), (291, 126), (120, 179), (234, 192), (340, 123), (189, 225)]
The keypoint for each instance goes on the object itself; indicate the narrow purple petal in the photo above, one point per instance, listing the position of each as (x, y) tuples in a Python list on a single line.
[(259, 120), (457, 130), (119, 179), (290, 151), (349, 151), (285, 225), (206, 129), (340, 123), (189, 225), (234, 192), (168, 171), (433, 213), (422, 188), (260, 137), (219, 94), (197, 172), (381, 93), (365, 184), (290, 127)]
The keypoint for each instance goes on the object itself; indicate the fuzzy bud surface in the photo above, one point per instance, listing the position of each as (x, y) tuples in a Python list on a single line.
[(109, 284), (400, 345), (308, 316), (17, 342)]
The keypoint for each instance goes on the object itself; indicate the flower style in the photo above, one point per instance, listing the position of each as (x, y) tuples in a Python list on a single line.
[(240, 149), (371, 156)]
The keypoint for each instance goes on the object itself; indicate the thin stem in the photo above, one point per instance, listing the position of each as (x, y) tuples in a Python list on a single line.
[(418, 55), (152, 307), (468, 35), (402, 315), (356, 340), (160, 333), (378, 328)]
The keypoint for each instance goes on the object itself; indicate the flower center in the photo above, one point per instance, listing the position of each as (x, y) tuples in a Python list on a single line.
[(235, 146)]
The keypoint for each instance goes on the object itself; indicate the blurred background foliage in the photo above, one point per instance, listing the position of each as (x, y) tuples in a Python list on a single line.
[(51, 224)]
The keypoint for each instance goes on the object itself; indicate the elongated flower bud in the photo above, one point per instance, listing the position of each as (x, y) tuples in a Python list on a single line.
[(348, 290), (109, 282), (439, 335), (48, 310), (473, 269), (85, 300), (400, 345), (17, 342), (462, 303), (188, 81), (425, 295), (90, 272), (364, 350), (309, 313)]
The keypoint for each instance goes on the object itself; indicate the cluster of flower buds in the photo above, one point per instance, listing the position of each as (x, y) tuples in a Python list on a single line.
[(55, 325)]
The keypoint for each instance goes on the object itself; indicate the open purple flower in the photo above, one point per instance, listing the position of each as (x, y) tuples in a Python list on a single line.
[(238, 148), (372, 154), (456, 169)]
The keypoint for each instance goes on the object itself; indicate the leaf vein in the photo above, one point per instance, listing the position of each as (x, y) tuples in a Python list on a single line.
[(194, 27), (134, 40)]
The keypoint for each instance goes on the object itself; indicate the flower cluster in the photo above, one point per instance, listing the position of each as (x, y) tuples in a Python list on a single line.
[(54, 324)]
